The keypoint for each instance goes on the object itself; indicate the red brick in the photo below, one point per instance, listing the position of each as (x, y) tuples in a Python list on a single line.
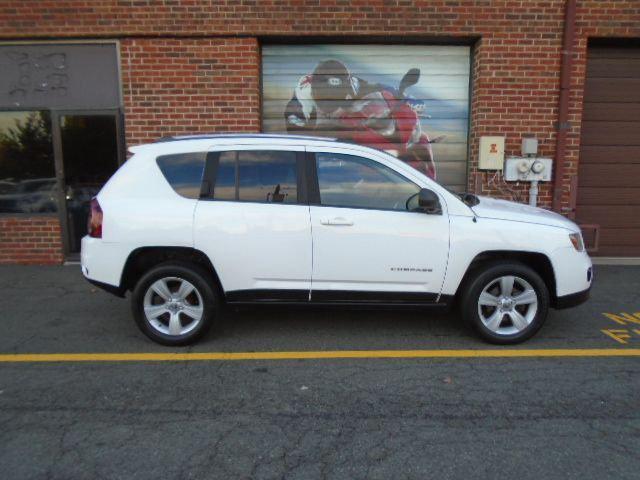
[(22, 240)]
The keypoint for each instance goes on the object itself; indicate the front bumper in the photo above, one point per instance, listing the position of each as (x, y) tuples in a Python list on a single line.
[(571, 300), (573, 271)]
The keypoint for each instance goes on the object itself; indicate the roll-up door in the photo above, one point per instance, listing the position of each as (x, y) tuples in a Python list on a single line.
[(609, 168), (356, 93)]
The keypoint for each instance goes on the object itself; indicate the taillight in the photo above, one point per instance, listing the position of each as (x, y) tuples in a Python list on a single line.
[(94, 226)]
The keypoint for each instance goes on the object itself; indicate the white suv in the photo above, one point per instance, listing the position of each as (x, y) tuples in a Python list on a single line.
[(190, 223)]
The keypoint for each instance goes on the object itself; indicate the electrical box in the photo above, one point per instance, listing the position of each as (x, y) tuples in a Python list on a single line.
[(491, 153), (526, 169), (529, 146)]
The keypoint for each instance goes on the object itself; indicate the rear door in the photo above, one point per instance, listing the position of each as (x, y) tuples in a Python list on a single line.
[(368, 246), (252, 220)]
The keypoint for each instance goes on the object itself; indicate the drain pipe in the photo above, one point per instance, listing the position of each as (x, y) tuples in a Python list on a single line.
[(563, 109)]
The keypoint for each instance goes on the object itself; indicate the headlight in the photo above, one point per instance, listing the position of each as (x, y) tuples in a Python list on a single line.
[(576, 241)]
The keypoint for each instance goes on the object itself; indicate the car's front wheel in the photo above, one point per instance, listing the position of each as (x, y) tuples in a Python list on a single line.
[(505, 303), (174, 303)]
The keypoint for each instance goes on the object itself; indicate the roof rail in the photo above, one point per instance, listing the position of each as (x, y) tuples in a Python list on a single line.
[(206, 136)]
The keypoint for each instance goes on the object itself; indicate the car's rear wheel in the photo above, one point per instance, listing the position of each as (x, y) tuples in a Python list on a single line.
[(175, 303), (505, 303)]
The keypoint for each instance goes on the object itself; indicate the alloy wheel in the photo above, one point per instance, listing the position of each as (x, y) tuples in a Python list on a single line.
[(173, 306), (507, 305)]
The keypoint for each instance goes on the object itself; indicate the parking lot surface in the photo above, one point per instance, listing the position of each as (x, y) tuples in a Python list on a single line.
[(431, 416)]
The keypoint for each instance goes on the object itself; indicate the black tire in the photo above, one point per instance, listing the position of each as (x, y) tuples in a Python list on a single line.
[(483, 277), (205, 292)]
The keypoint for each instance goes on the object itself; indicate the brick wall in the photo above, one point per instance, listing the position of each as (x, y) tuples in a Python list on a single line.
[(182, 86), (193, 66), (34, 240)]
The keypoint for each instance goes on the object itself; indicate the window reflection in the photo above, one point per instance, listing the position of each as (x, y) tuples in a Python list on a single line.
[(350, 181), (225, 187), (267, 177), (183, 171), (27, 170), (257, 176)]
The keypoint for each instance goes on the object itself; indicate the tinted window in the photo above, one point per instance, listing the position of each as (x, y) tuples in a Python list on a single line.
[(27, 173), (349, 181), (184, 171), (257, 176), (225, 187)]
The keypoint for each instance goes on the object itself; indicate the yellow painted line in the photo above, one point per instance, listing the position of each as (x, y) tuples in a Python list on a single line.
[(315, 355)]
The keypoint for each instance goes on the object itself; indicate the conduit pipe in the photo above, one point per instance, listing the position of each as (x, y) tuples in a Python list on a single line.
[(563, 110)]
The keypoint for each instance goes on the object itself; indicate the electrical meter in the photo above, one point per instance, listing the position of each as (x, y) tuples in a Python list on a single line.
[(527, 169)]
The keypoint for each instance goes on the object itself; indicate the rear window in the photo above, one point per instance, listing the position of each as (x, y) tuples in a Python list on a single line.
[(184, 172)]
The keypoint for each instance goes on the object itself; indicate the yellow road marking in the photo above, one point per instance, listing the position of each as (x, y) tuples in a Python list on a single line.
[(617, 334), (314, 355)]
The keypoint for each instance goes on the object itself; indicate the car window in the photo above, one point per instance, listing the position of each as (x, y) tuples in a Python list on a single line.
[(225, 187), (257, 176), (184, 172), (357, 182)]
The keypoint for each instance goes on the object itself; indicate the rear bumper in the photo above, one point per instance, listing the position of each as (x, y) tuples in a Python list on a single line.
[(117, 291), (102, 263), (572, 300)]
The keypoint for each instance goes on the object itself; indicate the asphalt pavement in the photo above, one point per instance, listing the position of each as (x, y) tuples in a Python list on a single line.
[(362, 418)]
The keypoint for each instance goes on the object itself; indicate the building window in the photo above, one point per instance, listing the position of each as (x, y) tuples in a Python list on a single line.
[(27, 170)]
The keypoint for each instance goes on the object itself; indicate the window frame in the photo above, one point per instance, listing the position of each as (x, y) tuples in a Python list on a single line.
[(314, 185), (212, 162)]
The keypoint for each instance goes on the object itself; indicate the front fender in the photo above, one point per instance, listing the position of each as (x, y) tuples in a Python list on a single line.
[(471, 238)]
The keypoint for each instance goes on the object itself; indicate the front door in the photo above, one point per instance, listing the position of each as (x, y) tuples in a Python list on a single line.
[(88, 152), (368, 246)]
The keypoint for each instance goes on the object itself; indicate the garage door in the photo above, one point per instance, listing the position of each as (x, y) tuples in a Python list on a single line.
[(609, 168), (355, 93)]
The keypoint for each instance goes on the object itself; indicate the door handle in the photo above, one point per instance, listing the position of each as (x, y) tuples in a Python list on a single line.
[(337, 221)]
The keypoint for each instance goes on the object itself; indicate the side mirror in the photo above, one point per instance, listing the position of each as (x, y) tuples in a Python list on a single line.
[(410, 78), (429, 202)]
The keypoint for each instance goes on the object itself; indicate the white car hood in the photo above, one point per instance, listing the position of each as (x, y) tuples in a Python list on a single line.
[(517, 212)]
